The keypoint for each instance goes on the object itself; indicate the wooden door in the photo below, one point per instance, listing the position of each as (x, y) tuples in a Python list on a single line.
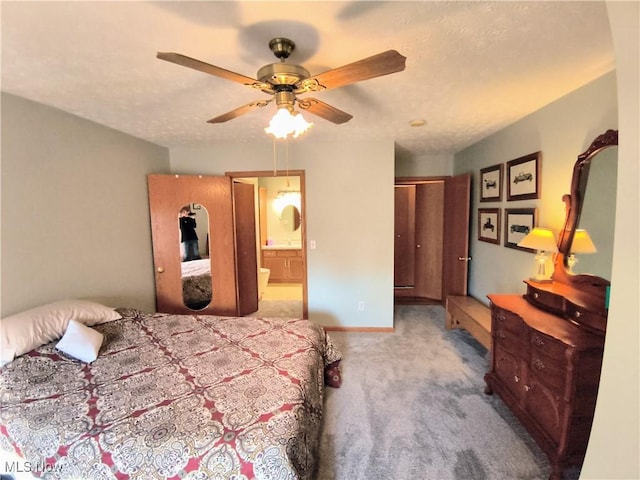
[(404, 230), (167, 194), (246, 256), (456, 235), (429, 212)]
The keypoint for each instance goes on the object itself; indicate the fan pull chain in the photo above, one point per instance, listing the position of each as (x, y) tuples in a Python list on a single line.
[(286, 153), (275, 163)]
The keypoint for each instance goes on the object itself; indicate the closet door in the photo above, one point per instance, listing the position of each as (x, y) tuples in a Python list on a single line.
[(429, 239), (456, 231), (432, 237), (404, 245), (167, 195)]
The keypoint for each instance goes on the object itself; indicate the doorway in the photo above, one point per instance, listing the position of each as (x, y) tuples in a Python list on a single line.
[(280, 241), (431, 251)]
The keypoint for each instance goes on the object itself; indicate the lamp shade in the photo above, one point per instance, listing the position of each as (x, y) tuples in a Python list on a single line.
[(540, 239), (582, 242)]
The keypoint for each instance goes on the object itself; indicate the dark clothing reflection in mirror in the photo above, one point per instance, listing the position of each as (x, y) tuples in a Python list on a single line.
[(188, 235)]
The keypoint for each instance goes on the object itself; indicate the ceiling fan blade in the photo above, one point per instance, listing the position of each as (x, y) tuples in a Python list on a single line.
[(185, 61), (239, 111), (324, 110), (376, 66)]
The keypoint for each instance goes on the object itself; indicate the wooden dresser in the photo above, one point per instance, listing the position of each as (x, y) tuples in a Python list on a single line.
[(545, 366)]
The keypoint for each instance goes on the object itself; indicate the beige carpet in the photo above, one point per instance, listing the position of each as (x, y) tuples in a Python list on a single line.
[(412, 407)]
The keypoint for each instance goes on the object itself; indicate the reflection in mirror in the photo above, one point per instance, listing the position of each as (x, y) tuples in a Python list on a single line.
[(290, 218), (193, 220), (598, 216)]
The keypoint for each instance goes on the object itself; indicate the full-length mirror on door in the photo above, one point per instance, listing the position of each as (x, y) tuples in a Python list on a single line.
[(193, 221), (225, 227)]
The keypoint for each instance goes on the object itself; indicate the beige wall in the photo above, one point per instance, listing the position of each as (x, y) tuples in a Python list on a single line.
[(75, 215), (561, 131), (349, 215), (614, 446)]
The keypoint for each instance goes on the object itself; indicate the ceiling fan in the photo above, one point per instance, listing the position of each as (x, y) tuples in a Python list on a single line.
[(286, 81)]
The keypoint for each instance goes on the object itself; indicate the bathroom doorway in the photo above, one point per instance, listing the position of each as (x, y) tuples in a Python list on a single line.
[(280, 241)]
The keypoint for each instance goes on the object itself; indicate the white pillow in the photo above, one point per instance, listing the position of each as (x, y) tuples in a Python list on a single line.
[(81, 342), (22, 332)]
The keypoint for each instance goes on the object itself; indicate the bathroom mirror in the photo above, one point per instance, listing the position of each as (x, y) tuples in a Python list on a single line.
[(590, 206), (290, 218), (193, 221)]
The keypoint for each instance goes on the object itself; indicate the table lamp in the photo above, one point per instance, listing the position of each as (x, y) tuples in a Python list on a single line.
[(581, 243), (542, 240)]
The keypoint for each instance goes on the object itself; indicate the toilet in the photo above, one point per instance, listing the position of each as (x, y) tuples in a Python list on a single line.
[(263, 280)]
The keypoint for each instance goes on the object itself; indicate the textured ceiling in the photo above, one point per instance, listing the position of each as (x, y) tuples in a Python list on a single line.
[(472, 67)]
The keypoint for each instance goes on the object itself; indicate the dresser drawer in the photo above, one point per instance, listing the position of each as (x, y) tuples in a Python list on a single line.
[(544, 299), (584, 317), (508, 330), (548, 361), (508, 368)]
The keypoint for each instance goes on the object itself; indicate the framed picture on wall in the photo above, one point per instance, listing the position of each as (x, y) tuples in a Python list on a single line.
[(491, 183), (518, 222), (489, 225), (523, 177)]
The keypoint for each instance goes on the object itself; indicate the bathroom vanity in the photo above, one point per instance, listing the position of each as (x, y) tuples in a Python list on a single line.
[(285, 263)]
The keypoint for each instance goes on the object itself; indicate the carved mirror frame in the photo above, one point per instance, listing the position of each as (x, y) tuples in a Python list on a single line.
[(574, 203)]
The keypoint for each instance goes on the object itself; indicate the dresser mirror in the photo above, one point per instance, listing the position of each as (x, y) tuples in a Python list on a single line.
[(590, 207)]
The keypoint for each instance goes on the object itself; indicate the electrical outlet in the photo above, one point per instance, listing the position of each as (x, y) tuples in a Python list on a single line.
[(361, 306), (312, 244)]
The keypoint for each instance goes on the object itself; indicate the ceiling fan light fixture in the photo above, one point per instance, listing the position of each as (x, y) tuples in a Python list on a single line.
[(287, 122)]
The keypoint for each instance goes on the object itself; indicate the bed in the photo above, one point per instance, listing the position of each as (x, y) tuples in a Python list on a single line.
[(196, 283), (172, 396)]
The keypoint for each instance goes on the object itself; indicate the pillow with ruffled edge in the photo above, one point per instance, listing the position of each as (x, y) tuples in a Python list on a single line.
[(80, 342), (22, 332)]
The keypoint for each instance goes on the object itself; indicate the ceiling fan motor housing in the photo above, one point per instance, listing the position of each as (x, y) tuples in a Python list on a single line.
[(282, 74)]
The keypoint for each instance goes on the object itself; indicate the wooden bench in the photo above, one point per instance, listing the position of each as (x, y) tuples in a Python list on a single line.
[(468, 313)]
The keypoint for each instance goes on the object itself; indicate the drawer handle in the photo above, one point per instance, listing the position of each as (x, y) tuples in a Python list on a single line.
[(502, 317), (578, 314), (527, 388), (539, 364), (536, 295), (500, 334), (516, 378)]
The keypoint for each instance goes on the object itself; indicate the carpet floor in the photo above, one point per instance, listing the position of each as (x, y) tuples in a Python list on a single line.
[(412, 406)]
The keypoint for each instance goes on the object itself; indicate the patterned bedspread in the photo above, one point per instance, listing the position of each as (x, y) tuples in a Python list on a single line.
[(172, 396)]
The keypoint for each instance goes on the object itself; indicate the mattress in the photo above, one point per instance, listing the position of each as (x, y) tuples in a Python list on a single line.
[(171, 396)]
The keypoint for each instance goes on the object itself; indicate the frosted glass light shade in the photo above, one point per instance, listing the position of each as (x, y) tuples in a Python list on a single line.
[(286, 122)]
